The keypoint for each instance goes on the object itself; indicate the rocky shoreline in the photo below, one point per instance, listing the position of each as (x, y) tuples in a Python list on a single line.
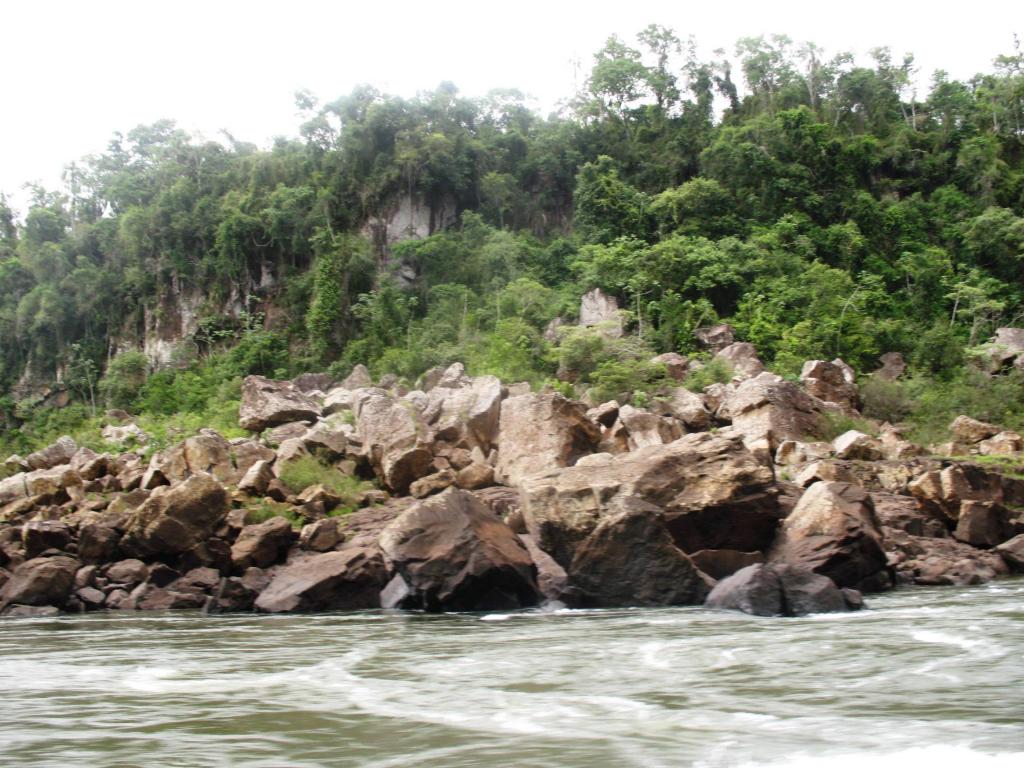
[(493, 497)]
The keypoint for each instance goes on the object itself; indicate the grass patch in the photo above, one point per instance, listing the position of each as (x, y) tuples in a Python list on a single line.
[(835, 424), (308, 471)]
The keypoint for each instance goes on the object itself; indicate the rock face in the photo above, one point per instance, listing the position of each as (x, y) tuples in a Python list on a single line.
[(631, 559), (453, 554), (600, 309), (713, 493), (266, 403), (175, 520), (769, 407), (346, 580), (539, 432), (970, 431), (834, 531), (778, 590)]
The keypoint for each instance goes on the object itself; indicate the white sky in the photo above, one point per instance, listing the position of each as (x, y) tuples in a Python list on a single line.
[(75, 72)]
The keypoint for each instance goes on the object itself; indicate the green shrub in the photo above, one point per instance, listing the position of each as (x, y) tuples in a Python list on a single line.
[(125, 376), (620, 379), (715, 371), (885, 400), (835, 424)]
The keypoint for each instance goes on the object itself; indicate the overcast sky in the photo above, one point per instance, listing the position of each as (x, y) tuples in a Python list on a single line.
[(75, 72)]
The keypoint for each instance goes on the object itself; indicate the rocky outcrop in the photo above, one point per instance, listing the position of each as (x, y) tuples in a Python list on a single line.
[(41, 581), (780, 590), (266, 403), (834, 531), (715, 337), (742, 358), (538, 432), (599, 309), (451, 553), (261, 545)]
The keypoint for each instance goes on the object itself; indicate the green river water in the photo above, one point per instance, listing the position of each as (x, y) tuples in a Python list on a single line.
[(929, 677)]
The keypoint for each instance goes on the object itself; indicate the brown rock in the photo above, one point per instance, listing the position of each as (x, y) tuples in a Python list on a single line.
[(266, 403), (257, 478), (713, 493), (396, 438), (779, 590), (349, 579), (261, 545), (932, 561), (539, 432), (834, 531), (971, 431), (631, 559), (57, 453), (742, 356), (676, 366), (719, 563), (321, 536), (475, 476), (97, 542), (829, 382), (431, 484), (173, 521), (552, 580), (454, 554), (768, 406), (1012, 552), (856, 445), (129, 572), (715, 337), (686, 406), (39, 535), (41, 581), (982, 524), (1002, 444)]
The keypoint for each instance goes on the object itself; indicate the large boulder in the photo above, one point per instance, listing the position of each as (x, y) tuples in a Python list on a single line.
[(742, 358), (207, 452), (713, 493), (262, 544), (346, 580), (828, 381), (174, 520), (834, 531), (769, 407), (395, 437), (266, 403), (686, 406), (59, 452), (453, 553), (631, 559), (968, 431), (467, 415), (715, 337), (539, 432), (37, 536), (41, 581), (779, 590)]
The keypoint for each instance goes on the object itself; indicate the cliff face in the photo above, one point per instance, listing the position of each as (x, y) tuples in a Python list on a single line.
[(166, 326)]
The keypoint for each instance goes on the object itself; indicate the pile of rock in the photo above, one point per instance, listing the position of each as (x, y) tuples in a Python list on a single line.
[(495, 497)]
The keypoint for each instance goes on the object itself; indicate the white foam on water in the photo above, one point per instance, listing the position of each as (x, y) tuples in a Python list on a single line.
[(938, 755)]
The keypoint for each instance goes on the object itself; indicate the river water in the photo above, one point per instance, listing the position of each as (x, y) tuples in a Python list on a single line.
[(925, 677)]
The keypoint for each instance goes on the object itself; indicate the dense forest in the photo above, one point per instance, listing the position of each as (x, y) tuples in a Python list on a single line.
[(820, 205)]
